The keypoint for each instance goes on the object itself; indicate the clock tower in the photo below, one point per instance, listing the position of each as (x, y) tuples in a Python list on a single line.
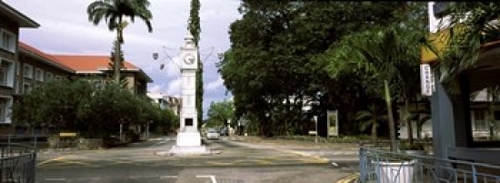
[(188, 137)]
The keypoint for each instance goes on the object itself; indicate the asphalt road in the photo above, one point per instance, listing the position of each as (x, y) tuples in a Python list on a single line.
[(230, 161)]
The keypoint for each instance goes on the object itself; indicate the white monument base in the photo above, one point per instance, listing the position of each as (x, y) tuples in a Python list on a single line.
[(189, 138), (188, 142)]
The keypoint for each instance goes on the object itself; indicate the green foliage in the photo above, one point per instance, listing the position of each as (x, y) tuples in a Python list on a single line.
[(411, 146), (219, 113), (195, 29), (285, 54), (78, 106), (371, 117), (472, 30), (113, 12), (116, 69), (168, 121), (54, 105)]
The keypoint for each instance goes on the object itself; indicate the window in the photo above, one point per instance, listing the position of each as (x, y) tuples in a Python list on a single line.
[(58, 78), (39, 74), (5, 103), (48, 76), (441, 9), (480, 124), (6, 73), (8, 40), (496, 115), (3, 74), (26, 87), (28, 71)]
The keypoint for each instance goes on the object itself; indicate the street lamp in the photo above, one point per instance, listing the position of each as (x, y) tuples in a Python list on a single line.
[(156, 56), (314, 109)]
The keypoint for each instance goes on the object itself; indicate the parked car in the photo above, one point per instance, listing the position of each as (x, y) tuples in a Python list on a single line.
[(224, 131), (212, 134)]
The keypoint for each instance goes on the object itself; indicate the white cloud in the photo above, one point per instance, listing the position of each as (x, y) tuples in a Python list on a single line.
[(214, 84), (154, 88), (174, 87)]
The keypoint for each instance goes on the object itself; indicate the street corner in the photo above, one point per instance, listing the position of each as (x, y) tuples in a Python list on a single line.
[(352, 178)]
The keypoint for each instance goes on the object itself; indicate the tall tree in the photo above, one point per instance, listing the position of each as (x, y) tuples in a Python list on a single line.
[(195, 30), (111, 65), (114, 12), (271, 67), (393, 54)]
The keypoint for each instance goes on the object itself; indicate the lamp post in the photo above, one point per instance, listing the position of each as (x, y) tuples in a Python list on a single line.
[(316, 128), (314, 108)]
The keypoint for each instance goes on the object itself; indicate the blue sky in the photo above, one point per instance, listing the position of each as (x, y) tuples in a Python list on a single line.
[(65, 29)]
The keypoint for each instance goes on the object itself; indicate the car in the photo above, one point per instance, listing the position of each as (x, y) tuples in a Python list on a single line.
[(212, 134), (224, 132)]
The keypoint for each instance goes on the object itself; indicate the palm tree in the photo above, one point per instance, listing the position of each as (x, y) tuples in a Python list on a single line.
[(474, 24), (371, 118), (393, 53), (113, 12)]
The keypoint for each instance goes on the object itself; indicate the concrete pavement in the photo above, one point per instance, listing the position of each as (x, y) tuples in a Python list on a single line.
[(334, 154), (337, 154)]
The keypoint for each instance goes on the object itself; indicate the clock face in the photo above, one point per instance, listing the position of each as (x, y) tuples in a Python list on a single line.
[(189, 59)]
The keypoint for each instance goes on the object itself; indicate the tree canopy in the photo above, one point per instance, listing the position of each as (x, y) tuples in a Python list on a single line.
[(80, 106), (288, 54)]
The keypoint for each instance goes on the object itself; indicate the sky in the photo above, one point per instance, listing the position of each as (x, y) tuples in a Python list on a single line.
[(65, 29)]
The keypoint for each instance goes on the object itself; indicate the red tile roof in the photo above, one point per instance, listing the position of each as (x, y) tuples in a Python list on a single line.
[(48, 58), (88, 62), (79, 63)]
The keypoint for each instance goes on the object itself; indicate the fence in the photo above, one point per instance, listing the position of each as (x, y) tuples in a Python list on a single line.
[(384, 166), (17, 163)]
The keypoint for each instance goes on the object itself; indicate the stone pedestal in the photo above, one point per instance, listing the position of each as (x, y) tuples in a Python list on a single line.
[(189, 142), (189, 138)]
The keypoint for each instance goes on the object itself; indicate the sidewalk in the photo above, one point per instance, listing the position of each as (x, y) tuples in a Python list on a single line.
[(305, 146)]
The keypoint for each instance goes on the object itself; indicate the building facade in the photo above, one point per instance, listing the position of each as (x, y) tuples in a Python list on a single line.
[(11, 21), (24, 67), (166, 101)]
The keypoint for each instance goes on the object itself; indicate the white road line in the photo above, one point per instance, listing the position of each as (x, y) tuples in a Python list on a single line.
[(212, 177), (168, 177), (55, 179)]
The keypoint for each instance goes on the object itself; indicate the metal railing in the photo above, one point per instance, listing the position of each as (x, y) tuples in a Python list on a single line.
[(17, 163), (384, 166)]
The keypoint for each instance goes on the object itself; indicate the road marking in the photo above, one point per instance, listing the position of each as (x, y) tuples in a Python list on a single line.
[(212, 177), (51, 160), (319, 159), (168, 177), (349, 178), (55, 179), (123, 162), (219, 163)]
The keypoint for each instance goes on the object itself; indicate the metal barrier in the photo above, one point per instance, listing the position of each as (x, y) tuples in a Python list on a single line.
[(384, 166), (17, 163)]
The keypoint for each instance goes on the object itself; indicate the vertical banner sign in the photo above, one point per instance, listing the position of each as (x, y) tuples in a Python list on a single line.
[(426, 80)]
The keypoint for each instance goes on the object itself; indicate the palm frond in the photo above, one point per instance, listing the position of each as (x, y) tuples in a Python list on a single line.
[(472, 27)]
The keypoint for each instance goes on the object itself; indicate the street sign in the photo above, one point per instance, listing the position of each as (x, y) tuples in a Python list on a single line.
[(427, 80)]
